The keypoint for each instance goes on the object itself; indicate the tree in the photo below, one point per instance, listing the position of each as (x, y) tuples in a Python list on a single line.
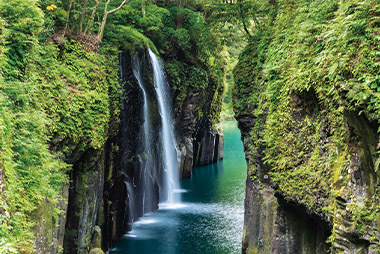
[(106, 13), (92, 17)]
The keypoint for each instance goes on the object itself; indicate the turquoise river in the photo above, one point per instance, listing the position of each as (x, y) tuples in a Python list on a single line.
[(209, 219)]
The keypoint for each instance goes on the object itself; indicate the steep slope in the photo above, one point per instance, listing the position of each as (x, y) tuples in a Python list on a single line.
[(56, 103), (306, 99), (62, 159)]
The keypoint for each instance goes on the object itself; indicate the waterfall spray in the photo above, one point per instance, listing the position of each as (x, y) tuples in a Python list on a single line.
[(146, 171)]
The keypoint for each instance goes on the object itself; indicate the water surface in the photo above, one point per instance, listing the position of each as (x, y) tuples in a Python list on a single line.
[(210, 218)]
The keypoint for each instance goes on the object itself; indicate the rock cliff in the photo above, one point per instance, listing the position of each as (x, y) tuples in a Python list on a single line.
[(70, 153), (199, 142), (310, 130)]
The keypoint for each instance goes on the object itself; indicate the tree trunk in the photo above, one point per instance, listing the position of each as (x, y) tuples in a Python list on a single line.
[(68, 16), (92, 17), (101, 29), (82, 15), (180, 5), (243, 19), (143, 8)]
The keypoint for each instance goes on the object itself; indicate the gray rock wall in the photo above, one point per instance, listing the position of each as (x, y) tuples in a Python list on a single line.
[(106, 186), (85, 197), (274, 225), (200, 141)]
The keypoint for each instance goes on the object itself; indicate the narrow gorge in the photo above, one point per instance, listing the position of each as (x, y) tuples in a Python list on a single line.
[(188, 127), (151, 159)]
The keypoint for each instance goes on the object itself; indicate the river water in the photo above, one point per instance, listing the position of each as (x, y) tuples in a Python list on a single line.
[(210, 218)]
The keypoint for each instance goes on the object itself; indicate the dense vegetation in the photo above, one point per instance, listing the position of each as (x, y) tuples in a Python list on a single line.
[(310, 76), (60, 89), (55, 102)]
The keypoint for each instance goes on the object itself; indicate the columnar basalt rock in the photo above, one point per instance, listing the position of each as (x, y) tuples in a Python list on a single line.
[(124, 166), (310, 129), (274, 224), (49, 237), (197, 113), (123, 199), (85, 195), (106, 191)]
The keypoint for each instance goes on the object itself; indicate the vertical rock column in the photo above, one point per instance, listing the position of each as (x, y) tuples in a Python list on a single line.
[(85, 195)]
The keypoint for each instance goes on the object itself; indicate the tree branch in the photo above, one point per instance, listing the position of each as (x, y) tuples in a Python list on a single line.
[(68, 16), (244, 21), (101, 30), (92, 17), (118, 8)]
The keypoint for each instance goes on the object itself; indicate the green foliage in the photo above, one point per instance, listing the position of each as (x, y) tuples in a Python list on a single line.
[(128, 38), (247, 15), (74, 88), (3, 59), (302, 76), (32, 173), (61, 109), (193, 55), (23, 20), (56, 101), (54, 20)]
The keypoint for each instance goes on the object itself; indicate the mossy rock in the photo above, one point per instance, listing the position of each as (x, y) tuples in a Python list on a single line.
[(96, 251), (96, 239)]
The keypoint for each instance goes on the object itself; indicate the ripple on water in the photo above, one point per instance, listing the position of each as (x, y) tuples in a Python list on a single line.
[(171, 206)]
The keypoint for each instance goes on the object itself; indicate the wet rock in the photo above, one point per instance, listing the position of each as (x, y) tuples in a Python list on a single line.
[(96, 251), (275, 225), (85, 195), (96, 238), (50, 235)]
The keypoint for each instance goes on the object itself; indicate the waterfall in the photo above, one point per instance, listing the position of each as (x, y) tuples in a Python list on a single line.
[(168, 142), (129, 202), (145, 173), (129, 205)]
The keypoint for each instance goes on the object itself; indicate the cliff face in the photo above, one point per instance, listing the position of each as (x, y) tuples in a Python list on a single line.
[(57, 118), (125, 176), (125, 198), (86, 119), (273, 224), (104, 192), (197, 95), (310, 130), (68, 160), (85, 197)]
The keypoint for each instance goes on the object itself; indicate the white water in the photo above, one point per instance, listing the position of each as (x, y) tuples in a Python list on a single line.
[(147, 189), (129, 202), (170, 161), (210, 217)]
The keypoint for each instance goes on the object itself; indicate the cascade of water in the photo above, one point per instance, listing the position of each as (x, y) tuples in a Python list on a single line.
[(129, 204), (129, 201), (146, 187), (169, 146)]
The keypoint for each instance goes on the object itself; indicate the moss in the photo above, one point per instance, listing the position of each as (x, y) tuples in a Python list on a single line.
[(96, 251), (252, 251), (60, 109), (96, 239), (310, 81), (129, 39), (188, 79), (74, 87)]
